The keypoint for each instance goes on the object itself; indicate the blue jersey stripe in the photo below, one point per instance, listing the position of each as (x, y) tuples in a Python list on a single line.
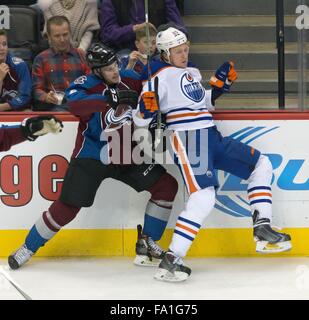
[(186, 109), (10, 127), (188, 121)]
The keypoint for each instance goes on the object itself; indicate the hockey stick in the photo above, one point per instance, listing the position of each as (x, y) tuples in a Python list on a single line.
[(14, 284), (156, 89), (159, 119), (156, 80), (148, 45)]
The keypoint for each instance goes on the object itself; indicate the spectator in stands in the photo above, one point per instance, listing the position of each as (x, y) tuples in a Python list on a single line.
[(180, 5), (15, 79), (55, 68), (138, 58), (120, 20), (82, 14)]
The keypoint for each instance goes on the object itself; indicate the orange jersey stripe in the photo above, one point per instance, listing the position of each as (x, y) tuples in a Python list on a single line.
[(186, 228), (155, 74), (260, 195), (184, 165), (191, 114)]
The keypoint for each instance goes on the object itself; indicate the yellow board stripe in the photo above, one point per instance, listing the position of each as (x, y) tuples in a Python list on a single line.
[(117, 242)]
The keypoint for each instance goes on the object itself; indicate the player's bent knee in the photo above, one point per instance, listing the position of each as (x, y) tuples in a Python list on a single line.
[(63, 213), (165, 188), (170, 185), (264, 165), (202, 202)]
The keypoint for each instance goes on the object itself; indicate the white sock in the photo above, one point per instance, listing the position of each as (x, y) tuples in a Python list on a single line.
[(259, 188), (189, 222)]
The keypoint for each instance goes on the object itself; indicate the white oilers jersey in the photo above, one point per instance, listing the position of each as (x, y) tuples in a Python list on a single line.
[(182, 98)]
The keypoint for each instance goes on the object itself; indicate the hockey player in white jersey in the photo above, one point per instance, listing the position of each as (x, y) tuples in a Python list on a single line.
[(187, 105)]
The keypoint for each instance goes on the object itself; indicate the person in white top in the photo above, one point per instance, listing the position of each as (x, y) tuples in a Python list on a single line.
[(83, 17), (187, 105)]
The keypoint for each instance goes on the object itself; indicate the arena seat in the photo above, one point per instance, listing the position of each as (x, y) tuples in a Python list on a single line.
[(24, 34)]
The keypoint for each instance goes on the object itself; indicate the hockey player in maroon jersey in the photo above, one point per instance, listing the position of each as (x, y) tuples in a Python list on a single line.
[(103, 101)]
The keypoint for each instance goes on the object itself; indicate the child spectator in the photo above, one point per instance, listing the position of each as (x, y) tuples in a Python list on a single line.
[(138, 58)]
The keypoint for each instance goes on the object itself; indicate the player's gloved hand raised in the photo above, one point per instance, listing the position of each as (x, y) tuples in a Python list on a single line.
[(153, 129), (39, 126), (224, 77), (116, 97), (148, 105)]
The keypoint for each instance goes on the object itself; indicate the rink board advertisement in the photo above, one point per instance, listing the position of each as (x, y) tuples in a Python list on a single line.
[(31, 176)]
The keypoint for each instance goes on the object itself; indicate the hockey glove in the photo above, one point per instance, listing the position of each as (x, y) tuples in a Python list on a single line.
[(39, 126), (224, 77), (116, 97), (155, 134), (148, 105)]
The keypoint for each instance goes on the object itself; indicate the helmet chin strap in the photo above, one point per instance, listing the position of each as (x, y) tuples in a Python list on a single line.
[(166, 57), (98, 73)]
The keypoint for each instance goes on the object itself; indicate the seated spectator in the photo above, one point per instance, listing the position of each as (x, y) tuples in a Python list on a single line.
[(15, 79), (120, 20), (138, 58), (82, 14), (180, 5), (55, 68)]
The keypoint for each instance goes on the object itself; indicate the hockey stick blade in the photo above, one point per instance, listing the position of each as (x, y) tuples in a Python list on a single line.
[(14, 284)]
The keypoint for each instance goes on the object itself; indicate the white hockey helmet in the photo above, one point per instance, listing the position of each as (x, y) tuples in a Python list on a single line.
[(170, 38)]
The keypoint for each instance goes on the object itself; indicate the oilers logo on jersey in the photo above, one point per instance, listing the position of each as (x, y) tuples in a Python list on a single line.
[(192, 89), (115, 119)]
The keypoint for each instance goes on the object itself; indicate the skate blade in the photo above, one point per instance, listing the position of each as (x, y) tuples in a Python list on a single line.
[(144, 261), (165, 275), (265, 247)]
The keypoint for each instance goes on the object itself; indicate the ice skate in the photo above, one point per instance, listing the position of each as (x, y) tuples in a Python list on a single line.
[(19, 257), (268, 240), (172, 269), (148, 252)]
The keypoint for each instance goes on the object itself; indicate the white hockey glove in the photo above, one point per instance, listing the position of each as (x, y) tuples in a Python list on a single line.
[(34, 127)]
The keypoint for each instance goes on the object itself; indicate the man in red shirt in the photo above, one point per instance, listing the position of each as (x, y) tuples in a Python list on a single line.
[(55, 68)]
